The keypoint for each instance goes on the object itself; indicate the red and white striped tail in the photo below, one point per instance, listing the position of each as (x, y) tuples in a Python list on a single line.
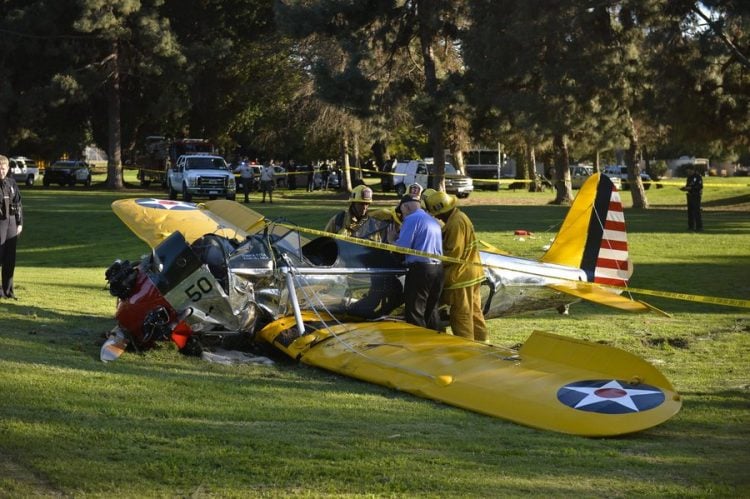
[(613, 265)]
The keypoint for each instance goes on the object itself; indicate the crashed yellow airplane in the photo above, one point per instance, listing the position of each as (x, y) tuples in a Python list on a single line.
[(222, 269)]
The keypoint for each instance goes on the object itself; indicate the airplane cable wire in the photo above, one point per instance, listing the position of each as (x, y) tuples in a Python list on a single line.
[(310, 300)]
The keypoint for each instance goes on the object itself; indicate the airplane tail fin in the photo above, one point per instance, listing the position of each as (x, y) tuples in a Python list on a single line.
[(593, 236)]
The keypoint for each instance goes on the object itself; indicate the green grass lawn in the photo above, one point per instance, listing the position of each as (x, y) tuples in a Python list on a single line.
[(162, 424)]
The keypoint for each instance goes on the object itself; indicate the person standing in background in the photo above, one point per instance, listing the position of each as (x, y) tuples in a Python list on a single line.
[(267, 181), (11, 225), (246, 175), (694, 189)]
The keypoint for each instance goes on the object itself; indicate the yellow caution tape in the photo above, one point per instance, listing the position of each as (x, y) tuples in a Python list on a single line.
[(715, 300), (408, 251), (374, 244)]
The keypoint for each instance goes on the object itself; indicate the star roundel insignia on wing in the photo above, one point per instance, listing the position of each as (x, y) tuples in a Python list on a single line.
[(165, 204), (610, 396)]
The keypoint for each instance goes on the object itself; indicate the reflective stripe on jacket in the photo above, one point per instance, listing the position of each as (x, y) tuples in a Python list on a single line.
[(459, 241)]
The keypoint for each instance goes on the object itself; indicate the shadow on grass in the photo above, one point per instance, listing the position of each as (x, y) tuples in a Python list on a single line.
[(723, 202), (250, 425)]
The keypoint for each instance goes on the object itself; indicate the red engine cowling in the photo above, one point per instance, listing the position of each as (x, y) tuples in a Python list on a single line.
[(149, 317)]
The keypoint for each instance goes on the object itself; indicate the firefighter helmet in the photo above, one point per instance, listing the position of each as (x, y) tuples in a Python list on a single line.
[(440, 202), (425, 194), (361, 194), (414, 190), (428, 192)]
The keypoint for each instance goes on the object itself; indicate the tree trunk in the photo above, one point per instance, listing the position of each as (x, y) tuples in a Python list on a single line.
[(428, 21), (355, 153), (563, 189), (114, 149), (344, 153), (380, 151), (597, 163), (530, 160), (634, 170), (4, 142), (458, 159)]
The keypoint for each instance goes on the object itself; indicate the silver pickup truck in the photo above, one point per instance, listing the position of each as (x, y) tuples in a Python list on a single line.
[(24, 170), (204, 175)]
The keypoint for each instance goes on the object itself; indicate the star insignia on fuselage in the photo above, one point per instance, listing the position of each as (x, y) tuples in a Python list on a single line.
[(610, 397), (165, 204)]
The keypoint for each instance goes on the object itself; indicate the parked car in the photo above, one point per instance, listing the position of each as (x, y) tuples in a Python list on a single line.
[(24, 170), (254, 183), (204, 175), (581, 173), (334, 179), (621, 172), (419, 171), (387, 178), (280, 176), (67, 172)]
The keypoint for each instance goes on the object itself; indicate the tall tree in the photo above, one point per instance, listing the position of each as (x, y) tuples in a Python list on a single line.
[(42, 110), (528, 66), (701, 53), (391, 50), (129, 39)]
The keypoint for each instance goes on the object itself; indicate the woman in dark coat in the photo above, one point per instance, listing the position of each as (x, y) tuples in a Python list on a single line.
[(11, 225)]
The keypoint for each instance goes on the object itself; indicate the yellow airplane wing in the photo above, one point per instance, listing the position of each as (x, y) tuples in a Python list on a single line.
[(153, 220), (248, 220), (552, 382), (603, 296)]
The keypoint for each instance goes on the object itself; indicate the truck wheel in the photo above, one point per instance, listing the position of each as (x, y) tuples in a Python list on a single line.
[(87, 182), (30, 180), (172, 193), (145, 183), (45, 182), (186, 196), (231, 197), (400, 189)]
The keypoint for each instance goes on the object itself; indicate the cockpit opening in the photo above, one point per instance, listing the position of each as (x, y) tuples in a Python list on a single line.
[(322, 251)]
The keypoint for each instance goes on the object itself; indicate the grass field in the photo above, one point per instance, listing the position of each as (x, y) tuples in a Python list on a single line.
[(164, 425)]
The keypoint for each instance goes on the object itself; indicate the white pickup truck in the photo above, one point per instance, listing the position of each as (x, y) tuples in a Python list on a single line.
[(24, 170), (203, 175), (419, 171)]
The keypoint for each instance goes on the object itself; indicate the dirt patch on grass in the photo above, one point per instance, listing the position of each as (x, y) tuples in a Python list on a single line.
[(24, 481), (683, 343)]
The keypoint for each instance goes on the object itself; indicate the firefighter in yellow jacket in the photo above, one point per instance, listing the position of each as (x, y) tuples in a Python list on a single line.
[(462, 281), (355, 221)]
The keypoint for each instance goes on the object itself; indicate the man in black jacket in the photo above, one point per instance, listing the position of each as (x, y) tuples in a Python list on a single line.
[(694, 189), (11, 225)]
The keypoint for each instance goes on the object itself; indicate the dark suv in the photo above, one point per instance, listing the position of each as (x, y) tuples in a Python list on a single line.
[(67, 172)]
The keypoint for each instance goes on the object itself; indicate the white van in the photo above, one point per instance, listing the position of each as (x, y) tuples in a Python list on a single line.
[(419, 171)]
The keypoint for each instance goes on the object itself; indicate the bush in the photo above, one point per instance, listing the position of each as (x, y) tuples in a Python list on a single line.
[(657, 169)]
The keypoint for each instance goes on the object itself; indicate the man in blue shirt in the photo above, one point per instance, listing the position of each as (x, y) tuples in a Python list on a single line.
[(424, 278)]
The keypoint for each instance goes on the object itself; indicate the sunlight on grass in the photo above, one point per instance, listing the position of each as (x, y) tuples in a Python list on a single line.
[(160, 424)]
